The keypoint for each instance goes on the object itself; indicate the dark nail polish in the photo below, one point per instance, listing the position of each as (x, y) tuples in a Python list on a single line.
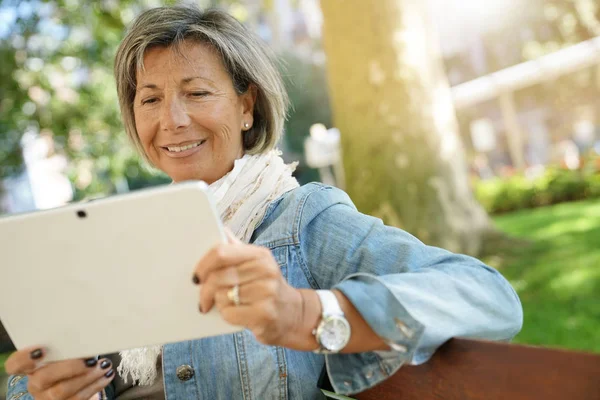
[(109, 373), (90, 362), (196, 280), (36, 354), (105, 364)]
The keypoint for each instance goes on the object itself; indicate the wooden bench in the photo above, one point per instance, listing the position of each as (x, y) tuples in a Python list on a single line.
[(476, 370)]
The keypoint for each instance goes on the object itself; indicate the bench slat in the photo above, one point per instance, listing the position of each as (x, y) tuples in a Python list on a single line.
[(476, 370)]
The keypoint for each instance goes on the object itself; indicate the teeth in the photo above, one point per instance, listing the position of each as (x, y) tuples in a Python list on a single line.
[(176, 149)]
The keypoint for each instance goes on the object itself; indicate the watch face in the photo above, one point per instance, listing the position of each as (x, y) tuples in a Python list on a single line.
[(334, 333)]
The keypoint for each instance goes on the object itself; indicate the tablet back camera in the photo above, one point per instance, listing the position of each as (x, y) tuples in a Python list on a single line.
[(81, 214)]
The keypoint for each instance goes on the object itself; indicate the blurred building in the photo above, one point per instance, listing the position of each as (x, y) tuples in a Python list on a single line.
[(477, 39), (539, 107)]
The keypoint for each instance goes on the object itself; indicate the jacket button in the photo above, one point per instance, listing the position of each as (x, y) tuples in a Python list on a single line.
[(184, 372)]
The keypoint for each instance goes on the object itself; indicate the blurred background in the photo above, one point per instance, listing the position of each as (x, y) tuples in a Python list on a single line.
[(472, 124)]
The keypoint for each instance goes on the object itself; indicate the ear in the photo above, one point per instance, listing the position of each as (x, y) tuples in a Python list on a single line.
[(248, 102)]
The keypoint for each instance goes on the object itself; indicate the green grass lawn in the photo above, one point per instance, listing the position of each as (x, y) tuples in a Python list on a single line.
[(557, 276)]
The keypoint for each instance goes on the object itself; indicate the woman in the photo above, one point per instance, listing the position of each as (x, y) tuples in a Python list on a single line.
[(314, 281)]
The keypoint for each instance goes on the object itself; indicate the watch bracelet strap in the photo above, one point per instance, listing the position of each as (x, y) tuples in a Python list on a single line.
[(329, 303)]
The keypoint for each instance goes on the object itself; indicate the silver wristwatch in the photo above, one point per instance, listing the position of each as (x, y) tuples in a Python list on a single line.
[(333, 332)]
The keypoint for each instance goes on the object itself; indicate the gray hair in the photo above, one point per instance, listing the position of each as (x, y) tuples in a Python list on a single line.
[(245, 57)]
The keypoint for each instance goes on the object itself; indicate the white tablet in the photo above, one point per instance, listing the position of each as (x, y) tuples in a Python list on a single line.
[(112, 274)]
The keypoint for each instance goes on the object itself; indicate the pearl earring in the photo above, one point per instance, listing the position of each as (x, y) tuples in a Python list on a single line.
[(246, 125)]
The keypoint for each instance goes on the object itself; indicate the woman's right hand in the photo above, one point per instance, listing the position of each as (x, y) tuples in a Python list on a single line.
[(78, 379)]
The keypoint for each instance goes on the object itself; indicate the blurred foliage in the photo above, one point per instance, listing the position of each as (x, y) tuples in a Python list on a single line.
[(10, 96), (3, 358), (306, 84), (554, 185), (56, 80), (556, 24)]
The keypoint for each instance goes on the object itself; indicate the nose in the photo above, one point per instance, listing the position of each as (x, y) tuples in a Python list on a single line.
[(174, 115)]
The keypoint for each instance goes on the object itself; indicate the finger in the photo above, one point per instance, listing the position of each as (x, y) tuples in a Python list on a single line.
[(24, 360), (71, 387), (228, 277), (226, 255), (250, 293), (97, 386), (48, 375)]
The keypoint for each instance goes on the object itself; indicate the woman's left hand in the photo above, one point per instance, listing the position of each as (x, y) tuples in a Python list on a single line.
[(268, 305)]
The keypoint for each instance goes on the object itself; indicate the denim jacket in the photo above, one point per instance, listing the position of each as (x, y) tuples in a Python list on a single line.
[(413, 296)]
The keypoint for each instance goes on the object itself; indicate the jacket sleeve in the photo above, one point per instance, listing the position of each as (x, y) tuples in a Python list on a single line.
[(415, 297), (17, 388)]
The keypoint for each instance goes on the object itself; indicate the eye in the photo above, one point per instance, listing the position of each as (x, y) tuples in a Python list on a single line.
[(199, 94), (150, 100)]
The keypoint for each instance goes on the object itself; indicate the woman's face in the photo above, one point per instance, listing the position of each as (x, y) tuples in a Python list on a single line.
[(188, 116)]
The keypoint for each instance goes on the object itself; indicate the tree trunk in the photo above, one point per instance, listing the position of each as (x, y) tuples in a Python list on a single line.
[(403, 156)]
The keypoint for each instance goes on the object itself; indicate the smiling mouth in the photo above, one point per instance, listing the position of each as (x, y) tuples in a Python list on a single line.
[(179, 149)]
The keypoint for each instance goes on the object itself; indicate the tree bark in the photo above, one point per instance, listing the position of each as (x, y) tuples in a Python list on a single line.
[(403, 157)]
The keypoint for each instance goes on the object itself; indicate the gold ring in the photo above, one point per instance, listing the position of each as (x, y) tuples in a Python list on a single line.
[(233, 295)]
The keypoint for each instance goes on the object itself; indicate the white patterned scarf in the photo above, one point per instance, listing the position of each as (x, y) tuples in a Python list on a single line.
[(242, 197)]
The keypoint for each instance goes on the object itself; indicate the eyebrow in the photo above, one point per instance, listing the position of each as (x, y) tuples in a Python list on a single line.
[(184, 81), (146, 86), (191, 78)]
